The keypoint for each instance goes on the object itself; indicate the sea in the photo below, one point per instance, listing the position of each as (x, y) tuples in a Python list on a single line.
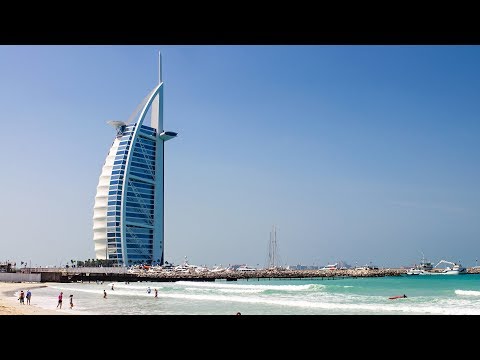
[(426, 295)]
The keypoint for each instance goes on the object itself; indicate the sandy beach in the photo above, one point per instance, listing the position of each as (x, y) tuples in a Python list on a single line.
[(9, 305)]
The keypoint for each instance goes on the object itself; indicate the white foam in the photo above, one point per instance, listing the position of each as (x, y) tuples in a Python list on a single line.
[(230, 291), (50, 303), (306, 298), (215, 285), (152, 287), (99, 290), (418, 308), (467, 292)]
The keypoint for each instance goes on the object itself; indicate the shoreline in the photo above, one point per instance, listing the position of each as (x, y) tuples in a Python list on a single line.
[(10, 306), (115, 274)]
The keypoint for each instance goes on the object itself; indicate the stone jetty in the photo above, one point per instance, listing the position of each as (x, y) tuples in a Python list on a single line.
[(275, 273), (122, 274)]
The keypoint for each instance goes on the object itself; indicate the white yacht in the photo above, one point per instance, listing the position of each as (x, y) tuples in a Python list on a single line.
[(456, 269), (217, 269), (415, 271), (423, 268), (330, 267), (246, 268), (427, 268), (367, 267), (187, 267)]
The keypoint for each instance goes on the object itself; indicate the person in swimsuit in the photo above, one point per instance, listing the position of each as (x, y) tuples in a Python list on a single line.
[(60, 300), (22, 297), (28, 296)]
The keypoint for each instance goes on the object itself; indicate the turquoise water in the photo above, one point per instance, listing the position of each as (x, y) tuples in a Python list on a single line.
[(441, 294)]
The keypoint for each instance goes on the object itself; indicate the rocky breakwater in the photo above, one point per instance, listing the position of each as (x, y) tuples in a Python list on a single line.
[(267, 274)]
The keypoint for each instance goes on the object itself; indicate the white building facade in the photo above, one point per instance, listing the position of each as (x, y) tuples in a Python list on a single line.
[(128, 219)]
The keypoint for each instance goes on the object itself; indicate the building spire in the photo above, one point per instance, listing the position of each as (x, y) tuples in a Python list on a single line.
[(159, 67)]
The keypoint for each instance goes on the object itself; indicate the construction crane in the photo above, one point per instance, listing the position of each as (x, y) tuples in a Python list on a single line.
[(445, 262)]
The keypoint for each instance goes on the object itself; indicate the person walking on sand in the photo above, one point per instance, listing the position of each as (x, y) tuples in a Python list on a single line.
[(156, 293), (28, 296), (22, 297), (104, 294), (60, 300), (71, 301)]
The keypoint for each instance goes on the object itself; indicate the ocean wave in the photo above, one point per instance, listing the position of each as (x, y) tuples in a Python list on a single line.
[(215, 285), (467, 292), (305, 298), (316, 287), (229, 291), (93, 288), (140, 291), (136, 287), (413, 308)]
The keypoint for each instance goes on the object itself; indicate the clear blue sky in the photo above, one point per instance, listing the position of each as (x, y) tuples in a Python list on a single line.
[(355, 153)]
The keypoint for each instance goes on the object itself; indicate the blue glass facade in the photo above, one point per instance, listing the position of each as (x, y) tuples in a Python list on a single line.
[(128, 219), (138, 195)]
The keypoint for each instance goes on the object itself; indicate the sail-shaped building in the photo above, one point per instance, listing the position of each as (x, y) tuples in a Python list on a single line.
[(128, 219)]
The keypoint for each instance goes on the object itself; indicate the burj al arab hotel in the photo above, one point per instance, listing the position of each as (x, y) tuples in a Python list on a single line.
[(128, 216)]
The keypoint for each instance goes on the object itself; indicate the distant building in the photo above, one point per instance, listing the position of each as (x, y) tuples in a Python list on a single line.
[(128, 219), (7, 267)]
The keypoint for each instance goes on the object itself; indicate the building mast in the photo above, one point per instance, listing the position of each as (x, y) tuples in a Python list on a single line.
[(159, 67)]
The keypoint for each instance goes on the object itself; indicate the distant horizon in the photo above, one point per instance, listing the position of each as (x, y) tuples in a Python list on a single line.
[(367, 152)]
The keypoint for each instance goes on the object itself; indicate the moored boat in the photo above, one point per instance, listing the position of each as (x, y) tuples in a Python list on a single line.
[(456, 269), (330, 267), (246, 268), (426, 268), (423, 268)]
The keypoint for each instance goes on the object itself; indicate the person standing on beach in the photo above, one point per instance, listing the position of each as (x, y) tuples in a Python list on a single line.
[(28, 296), (60, 300), (71, 301), (104, 294), (22, 297), (156, 293)]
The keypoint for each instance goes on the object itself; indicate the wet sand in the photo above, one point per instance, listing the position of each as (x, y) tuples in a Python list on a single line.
[(9, 305)]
